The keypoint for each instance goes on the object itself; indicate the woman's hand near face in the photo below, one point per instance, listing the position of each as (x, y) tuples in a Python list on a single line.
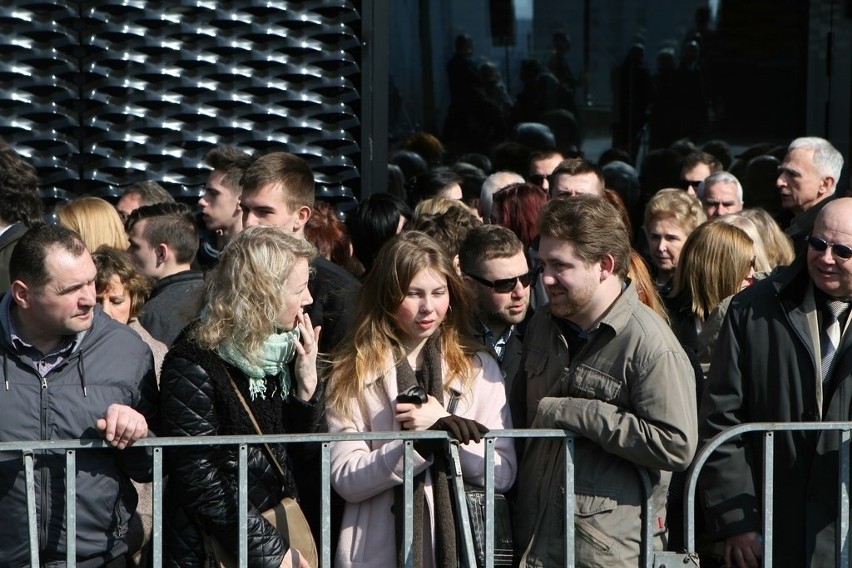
[(419, 416), (306, 357)]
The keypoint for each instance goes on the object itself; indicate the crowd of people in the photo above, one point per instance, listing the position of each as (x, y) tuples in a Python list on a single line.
[(644, 307)]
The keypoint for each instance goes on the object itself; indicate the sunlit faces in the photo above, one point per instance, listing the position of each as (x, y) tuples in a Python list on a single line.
[(298, 296), (64, 304), (219, 205), (115, 300), (566, 185), (799, 183), (831, 273), (721, 198), (424, 307), (506, 308), (665, 240), (570, 281), (266, 206), (143, 253)]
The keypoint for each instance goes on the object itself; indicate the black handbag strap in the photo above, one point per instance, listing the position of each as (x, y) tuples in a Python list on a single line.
[(269, 454)]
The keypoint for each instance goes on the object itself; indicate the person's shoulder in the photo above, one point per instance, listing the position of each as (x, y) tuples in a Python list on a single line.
[(115, 338)]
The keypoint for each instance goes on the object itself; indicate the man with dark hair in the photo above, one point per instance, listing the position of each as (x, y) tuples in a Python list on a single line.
[(542, 165), (575, 176), (220, 204), (278, 189), (20, 205), (695, 168), (146, 192), (61, 353), (598, 362), (163, 242), (493, 262)]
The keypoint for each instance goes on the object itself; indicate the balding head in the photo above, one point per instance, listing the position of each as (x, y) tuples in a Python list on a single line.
[(829, 242), (492, 184)]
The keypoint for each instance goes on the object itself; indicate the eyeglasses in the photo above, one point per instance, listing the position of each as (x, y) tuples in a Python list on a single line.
[(819, 245), (504, 285)]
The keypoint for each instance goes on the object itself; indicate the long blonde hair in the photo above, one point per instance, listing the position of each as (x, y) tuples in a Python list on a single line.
[(376, 339), (96, 221), (245, 291)]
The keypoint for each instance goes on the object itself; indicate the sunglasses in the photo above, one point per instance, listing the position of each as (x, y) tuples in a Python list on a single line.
[(685, 183), (838, 250), (504, 285)]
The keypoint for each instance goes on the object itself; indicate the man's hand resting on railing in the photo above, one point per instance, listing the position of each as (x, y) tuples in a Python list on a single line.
[(294, 559), (121, 426), (743, 550)]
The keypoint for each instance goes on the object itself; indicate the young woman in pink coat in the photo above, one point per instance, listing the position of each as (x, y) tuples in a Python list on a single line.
[(413, 314)]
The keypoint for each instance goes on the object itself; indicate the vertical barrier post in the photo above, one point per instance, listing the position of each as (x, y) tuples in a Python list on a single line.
[(325, 554), (768, 486), (569, 500), (157, 503), (242, 518), (71, 507), (408, 491), (32, 514), (843, 505), (489, 503)]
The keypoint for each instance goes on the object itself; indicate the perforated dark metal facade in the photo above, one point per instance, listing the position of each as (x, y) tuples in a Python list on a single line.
[(100, 94)]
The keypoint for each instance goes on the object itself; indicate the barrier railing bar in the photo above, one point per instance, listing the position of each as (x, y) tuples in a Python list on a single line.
[(648, 511), (843, 505), (32, 514), (768, 486), (465, 546), (71, 507), (569, 500), (242, 521), (489, 503), (408, 499), (325, 558), (157, 502)]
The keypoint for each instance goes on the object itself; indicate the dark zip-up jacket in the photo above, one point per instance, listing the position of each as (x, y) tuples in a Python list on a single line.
[(108, 364)]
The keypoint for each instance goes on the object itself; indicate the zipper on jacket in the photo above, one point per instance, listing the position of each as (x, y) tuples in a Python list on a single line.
[(45, 471)]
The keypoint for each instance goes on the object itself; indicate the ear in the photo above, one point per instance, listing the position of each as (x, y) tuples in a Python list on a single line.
[(162, 253), (826, 185), (607, 264), (457, 265), (20, 294), (302, 216)]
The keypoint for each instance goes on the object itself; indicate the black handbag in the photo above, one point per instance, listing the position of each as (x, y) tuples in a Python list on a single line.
[(470, 518)]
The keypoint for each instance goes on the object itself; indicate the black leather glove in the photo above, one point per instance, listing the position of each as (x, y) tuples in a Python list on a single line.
[(464, 430)]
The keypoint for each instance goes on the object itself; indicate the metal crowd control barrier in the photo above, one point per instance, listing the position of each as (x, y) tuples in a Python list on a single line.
[(29, 449), (768, 429)]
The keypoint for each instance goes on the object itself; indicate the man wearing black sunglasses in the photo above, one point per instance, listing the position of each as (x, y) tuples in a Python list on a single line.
[(784, 355), (493, 262), (697, 167)]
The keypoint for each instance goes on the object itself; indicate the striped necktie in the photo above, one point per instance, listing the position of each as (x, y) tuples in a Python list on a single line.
[(830, 339)]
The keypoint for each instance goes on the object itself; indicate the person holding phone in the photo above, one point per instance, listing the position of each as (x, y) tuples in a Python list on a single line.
[(409, 356)]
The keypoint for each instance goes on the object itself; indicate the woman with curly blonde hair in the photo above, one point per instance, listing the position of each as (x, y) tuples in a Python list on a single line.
[(411, 337), (96, 221), (252, 337)]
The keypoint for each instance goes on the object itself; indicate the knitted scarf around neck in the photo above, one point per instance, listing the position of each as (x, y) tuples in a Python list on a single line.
[(445, 526), (278, 350)]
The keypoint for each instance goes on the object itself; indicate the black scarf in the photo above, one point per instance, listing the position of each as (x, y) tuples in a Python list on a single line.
[(430, 378)]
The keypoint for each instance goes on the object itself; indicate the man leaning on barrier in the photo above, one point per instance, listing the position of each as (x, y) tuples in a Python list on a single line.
[(783, 355), (600, 363), (69, 372)]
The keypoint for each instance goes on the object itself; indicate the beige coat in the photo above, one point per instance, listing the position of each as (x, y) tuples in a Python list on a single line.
[(366, 473)]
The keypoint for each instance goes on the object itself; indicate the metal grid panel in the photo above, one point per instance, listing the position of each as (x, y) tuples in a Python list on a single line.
[(105, 93)]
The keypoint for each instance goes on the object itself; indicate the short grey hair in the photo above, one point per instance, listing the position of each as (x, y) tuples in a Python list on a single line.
[(719, 177), (828, 161), (492, 184)]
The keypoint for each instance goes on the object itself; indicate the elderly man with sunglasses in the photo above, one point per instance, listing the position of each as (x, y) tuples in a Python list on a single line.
[(784, 355), (493, 263)]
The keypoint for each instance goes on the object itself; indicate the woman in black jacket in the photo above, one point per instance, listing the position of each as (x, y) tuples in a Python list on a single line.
[(253, 334)]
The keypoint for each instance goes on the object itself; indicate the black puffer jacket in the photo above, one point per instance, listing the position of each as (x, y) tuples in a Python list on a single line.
[(197, 399)]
